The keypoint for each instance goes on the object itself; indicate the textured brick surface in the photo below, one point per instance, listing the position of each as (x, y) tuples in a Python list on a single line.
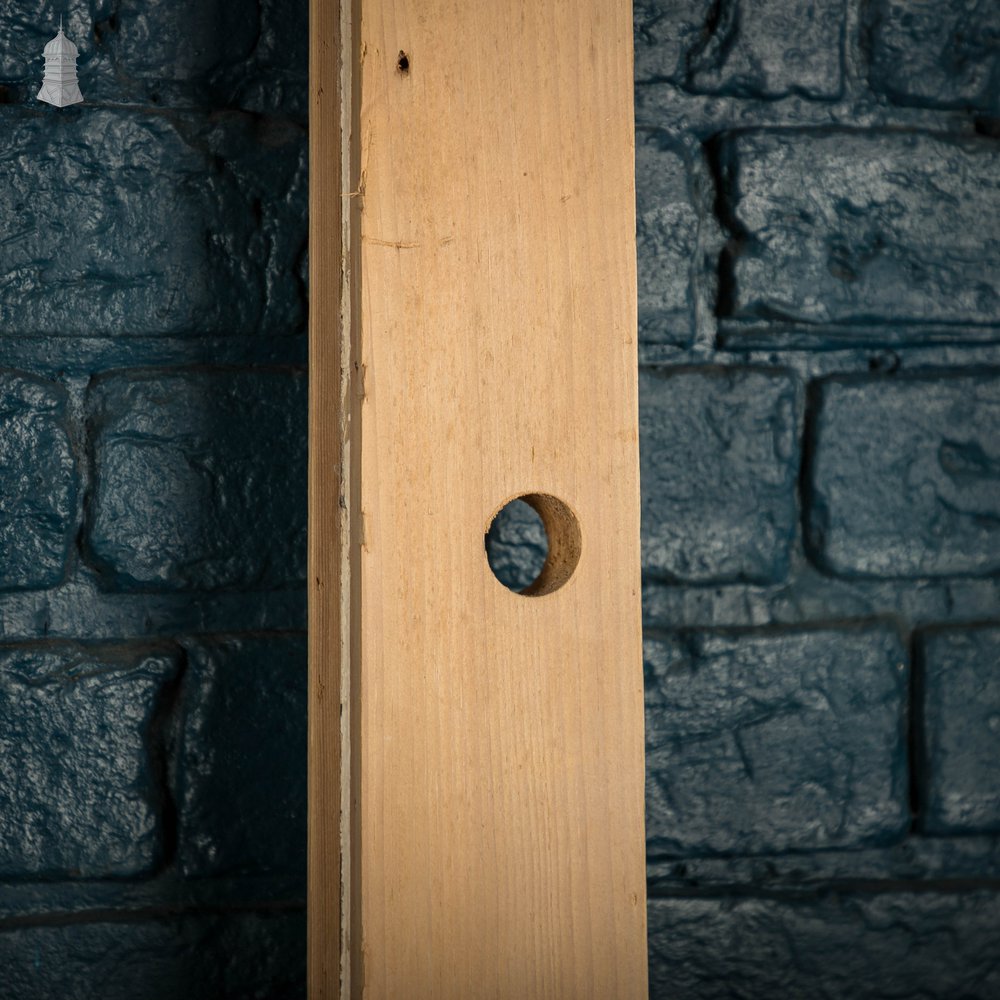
[(28, 27), (250, 956), (867, 948), (855, 227), (243, 54), (961, 725), (758, 743), (936, 53), (79, 788), (665, 31), (905, 479), (242, 764), (198, 229), (152, 484), (38, 488), (719, 455), (667, 238), (517, 545), (184, 39), (767, 48), (199, 479)]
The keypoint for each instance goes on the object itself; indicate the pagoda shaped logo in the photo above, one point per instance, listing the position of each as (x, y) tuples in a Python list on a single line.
[(59, 85)]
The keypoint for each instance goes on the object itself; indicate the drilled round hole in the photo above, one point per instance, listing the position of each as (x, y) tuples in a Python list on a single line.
[(533, 544)]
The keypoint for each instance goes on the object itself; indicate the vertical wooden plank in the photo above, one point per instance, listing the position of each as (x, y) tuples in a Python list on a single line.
[(324, 524), (333, 456), (495, 754), (501, 735)]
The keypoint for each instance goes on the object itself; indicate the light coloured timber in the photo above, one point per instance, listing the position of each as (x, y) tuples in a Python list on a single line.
[(473, 339), (333, 425)]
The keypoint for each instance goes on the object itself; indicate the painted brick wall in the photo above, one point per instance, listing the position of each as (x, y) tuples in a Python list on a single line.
[(819, 234), (818, 189), (152, 504)]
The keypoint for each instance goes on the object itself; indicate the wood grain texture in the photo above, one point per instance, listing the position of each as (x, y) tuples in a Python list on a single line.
[(495, 817), (334, 403)]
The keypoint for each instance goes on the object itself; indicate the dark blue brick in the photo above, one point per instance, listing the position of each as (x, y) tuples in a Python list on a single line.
[(245, 54), (242, 770), (665, 32), (38, 489), (199, 479), (198, 229), (904, 479), (851, 227), (759, 743), (517, 545), (79, 789), (961, 726), (763, 49), (35, 22), (277, 79), (719, 458), (837, 946), (250, 956), (667, 241), (939, 53), (183, 39), (242, 54)]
